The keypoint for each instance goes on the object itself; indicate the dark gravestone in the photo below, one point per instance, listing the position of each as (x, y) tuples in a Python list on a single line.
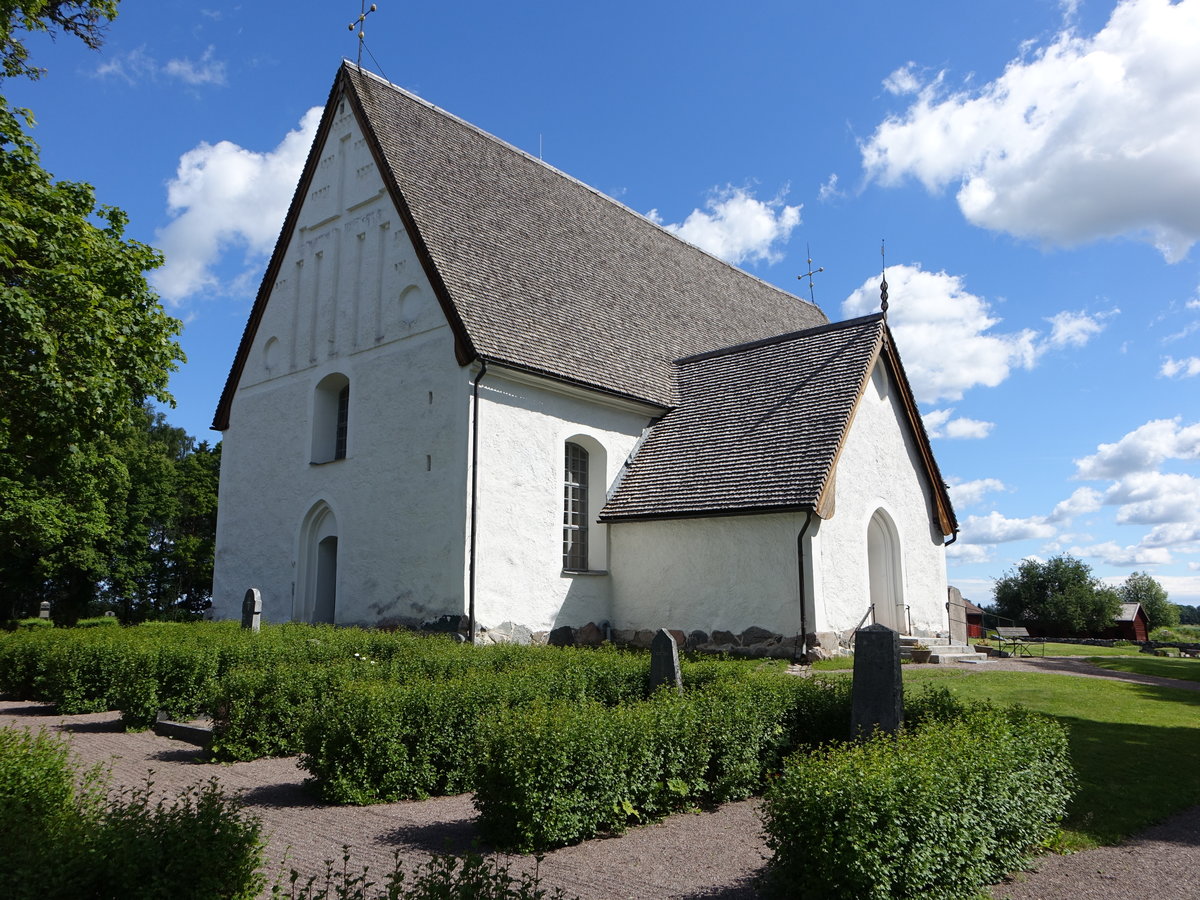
[(252, 610), (878, 701), (664, 662)]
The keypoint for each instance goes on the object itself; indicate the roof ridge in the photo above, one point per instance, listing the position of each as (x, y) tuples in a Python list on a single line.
[(557, 171), (779, 338)]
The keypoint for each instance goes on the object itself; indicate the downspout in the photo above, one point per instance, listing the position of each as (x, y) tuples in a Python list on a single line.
[(808, 514), (952, 539), (474, 496)]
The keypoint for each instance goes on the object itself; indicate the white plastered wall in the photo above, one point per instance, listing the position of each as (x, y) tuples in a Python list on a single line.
[(524, 424), (352, 298), (879, 468), (727, 572)]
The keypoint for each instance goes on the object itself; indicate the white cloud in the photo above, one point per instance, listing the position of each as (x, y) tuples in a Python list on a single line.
[(997, 529), (1075, 329), (829, 190), (1113, 554), (965, 554), (1153, 498), (736, 226), (968, 429), (1082, 501), (1180, 368), (225, 196), (968, 493), (1194, 303), (138, 66), (1141, 450), (946, 334), (207, 71), (903, 81), (1173, 534), (938, 424), (1089, 137)]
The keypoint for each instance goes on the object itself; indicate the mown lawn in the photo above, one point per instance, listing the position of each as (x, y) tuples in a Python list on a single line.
[(1053, 648), (1136, 747), (1163, 667)]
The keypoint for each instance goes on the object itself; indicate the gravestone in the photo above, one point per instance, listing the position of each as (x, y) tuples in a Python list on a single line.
[(44, 610), (878, 697), (664, 662), (252, 610), (110, 614)]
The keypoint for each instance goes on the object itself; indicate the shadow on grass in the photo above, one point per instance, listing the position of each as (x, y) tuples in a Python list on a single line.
[(1130, 777)]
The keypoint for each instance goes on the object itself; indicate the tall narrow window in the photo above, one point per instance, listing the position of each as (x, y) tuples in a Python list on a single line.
[(575, 509), (343, 416), (331, 418)]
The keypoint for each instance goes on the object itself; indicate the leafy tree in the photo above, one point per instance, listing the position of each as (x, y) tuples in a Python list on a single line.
[(85, 19), (166, 521), (1060, 597), (1142, 588), (1188, 615), (83, 342)]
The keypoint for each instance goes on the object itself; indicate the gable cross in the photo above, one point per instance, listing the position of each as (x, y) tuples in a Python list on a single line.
[(357, 24)]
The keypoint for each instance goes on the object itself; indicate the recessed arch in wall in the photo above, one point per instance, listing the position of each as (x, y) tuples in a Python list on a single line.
[(331, 418), (885, 573), (315, 599)]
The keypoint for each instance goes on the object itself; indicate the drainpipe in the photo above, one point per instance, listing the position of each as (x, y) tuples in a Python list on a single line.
[(474, 496), (952, 539), (803, 592)]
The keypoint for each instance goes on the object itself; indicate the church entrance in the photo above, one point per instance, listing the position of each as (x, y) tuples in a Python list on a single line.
[(884, 572), (316, 584)]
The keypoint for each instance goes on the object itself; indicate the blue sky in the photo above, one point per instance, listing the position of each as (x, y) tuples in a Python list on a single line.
[(1032, 165)]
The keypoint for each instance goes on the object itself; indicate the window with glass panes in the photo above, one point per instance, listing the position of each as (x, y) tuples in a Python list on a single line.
[(343, 418), (575, 514)]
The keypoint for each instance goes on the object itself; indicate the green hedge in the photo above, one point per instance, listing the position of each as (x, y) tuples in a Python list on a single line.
[(398, 736), (934, 811), (62, 836), (555, 773)]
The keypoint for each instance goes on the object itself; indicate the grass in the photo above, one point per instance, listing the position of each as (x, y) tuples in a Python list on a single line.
[(1136, 747), (1053, 648), (1163, 667)]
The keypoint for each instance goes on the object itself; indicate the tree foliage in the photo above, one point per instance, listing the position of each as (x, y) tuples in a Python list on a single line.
[(1059, 597), (1142, 588), (83, 344), (84, 19), (1188, 615)]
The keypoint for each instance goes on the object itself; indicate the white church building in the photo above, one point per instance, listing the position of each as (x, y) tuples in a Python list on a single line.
[(473, 386)]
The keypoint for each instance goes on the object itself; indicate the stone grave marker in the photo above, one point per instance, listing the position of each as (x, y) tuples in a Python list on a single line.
[(664, 662), (878, 698), (252, 610), (44, 610)]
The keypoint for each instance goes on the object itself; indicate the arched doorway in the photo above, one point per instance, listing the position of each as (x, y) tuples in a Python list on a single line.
[(884, 572), (316, 589)]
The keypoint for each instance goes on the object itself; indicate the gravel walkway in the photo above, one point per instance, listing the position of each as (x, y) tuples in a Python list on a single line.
[(702, 855)]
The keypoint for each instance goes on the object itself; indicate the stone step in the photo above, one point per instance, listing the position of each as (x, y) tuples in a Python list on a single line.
[(965, 657)]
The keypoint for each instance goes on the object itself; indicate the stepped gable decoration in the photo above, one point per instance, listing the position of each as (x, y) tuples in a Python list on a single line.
[(534, 269)]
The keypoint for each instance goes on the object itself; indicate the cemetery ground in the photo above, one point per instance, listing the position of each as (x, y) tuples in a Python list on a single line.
[(1134, 730)]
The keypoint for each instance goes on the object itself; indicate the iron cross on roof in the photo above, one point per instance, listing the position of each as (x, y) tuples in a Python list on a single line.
[(357, 24)]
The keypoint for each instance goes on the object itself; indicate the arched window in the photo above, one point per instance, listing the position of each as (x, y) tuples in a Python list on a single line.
[(575, 509), (331, 418)]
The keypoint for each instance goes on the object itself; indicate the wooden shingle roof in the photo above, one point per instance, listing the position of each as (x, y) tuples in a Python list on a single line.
[(534, 269), (759, 427)]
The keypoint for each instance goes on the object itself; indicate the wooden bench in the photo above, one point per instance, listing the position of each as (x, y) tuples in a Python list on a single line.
[(1015, 640)]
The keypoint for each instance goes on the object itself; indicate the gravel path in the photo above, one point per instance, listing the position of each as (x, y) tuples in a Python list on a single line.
[(701, 855)]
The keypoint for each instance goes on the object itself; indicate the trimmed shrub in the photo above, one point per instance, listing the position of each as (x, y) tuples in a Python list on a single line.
[(930, 812), (61, 838), (555, 773)]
